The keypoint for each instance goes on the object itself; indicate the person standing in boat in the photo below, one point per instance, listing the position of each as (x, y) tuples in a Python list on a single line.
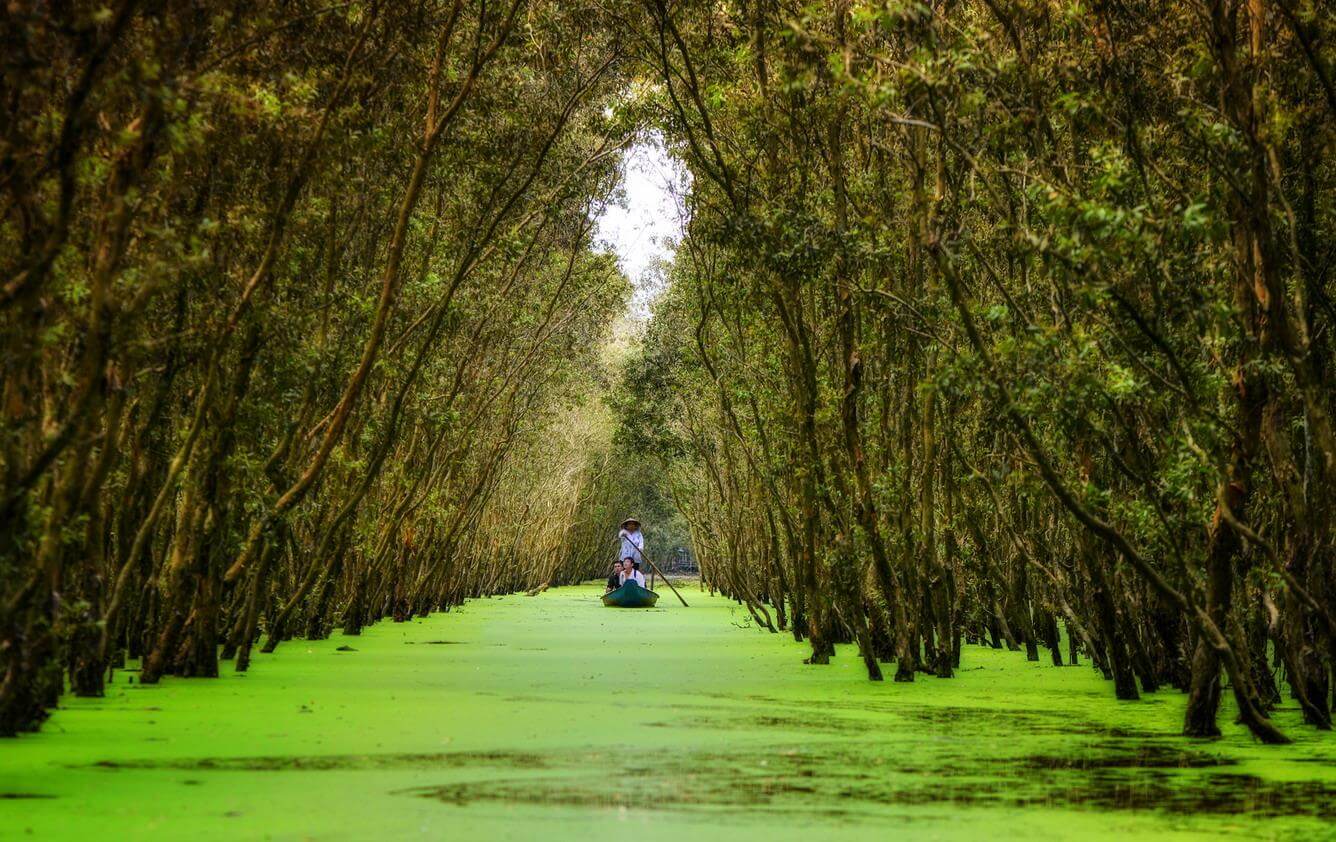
[(633, 541)]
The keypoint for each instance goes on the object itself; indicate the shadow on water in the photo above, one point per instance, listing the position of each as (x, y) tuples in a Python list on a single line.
[(848, 780), (846, 759), (435, 642), (842, 777), (340, 762)]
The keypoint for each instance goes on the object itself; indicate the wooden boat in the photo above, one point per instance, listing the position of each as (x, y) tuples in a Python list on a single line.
[(630, 595)]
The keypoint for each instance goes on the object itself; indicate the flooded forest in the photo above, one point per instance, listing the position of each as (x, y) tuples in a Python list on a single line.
[(987, 381)]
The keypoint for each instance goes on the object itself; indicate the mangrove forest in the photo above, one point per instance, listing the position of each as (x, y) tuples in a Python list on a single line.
[(945, 390)]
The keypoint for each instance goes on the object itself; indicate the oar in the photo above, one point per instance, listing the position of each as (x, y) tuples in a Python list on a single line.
[(661, 576)]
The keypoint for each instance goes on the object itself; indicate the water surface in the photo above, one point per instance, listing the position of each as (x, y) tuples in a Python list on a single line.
[(552, 717)]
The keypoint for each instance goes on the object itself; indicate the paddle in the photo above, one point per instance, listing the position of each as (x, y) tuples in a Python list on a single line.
[(661, 576)]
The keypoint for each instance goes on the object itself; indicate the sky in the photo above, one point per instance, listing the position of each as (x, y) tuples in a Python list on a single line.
[(643, 225)]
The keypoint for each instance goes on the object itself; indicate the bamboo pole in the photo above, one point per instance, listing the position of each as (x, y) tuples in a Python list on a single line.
[(656, 569)]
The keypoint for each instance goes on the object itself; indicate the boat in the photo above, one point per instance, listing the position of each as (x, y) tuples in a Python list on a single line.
[(630, 595)]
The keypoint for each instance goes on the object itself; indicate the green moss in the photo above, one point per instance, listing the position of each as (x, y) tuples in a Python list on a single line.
[(552, 716)]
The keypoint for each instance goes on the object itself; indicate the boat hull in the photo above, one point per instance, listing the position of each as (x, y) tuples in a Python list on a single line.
[(630, 595)]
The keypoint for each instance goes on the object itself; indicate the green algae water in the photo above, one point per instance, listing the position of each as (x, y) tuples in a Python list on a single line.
[(553, 717)]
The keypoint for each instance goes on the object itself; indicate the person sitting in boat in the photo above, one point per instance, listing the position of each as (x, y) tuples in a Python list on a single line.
[(633, 541), (630, 573), (614, 578)]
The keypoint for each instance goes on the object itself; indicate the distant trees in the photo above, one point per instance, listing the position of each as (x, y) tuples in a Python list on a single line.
[(995, 318)]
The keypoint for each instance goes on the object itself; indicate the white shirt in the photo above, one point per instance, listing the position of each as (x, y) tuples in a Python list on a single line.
[(633, 545), (634, 576)]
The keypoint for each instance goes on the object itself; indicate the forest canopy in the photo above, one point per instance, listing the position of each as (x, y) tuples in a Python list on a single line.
[(1005, 321)]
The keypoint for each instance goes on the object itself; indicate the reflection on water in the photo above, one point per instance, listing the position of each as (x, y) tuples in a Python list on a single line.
[(850, 779), (834, 760)]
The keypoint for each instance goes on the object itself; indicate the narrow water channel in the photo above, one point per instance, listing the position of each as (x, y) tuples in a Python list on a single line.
[(552, 717)]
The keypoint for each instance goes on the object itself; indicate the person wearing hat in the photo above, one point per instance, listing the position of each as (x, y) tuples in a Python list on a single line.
[(633, 541)]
